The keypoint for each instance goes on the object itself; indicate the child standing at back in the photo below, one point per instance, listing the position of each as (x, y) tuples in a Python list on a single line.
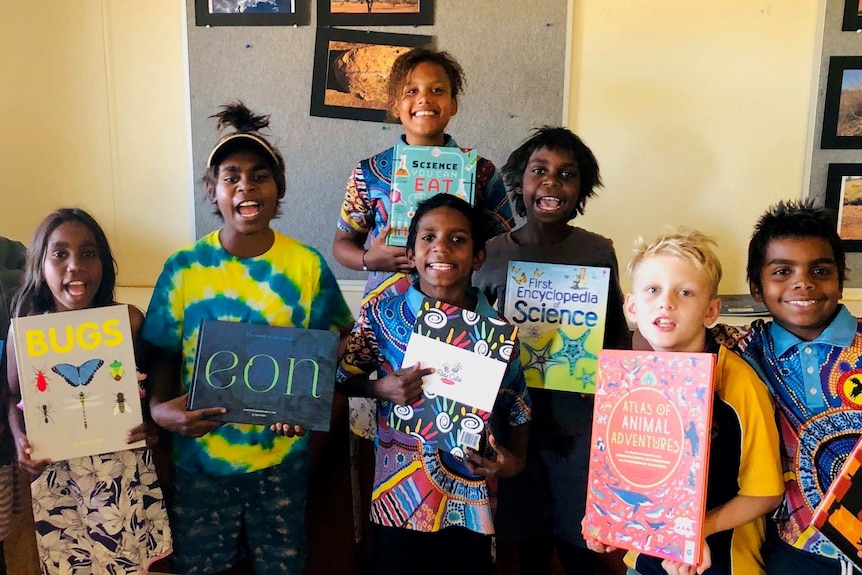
[(551, 176), (99, 513), (810, 355), (430, 510), (238, 488), (423, 88), (673, 301)]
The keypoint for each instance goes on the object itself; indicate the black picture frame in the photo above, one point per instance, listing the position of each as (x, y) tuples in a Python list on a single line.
[(329, 99), (297, 14), (842, 128), (367, 15), (852, 16), (844, 198)]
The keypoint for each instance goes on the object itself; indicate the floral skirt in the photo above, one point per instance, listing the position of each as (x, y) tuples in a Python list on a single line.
[(100, 514)]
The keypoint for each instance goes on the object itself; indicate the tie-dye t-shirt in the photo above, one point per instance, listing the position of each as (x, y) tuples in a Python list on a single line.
[(289, 285)]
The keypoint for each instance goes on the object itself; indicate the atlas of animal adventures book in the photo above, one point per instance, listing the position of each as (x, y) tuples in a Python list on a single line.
[(649, 452), (839, 515), (419, 172), (78, 380), (470, 353), (265, 374), (560, 311)]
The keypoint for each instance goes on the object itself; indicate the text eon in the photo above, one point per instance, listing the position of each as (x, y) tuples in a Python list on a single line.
[(88, 335), (266, 374)]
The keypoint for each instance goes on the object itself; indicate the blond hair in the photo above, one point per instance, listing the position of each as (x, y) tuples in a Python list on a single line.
[(688, 245)]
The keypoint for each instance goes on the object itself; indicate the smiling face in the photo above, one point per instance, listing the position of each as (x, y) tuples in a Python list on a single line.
[(551, 186), (425, 104), (800, 285), (672, 302), (246, 194), (72, 266), (444, 256)]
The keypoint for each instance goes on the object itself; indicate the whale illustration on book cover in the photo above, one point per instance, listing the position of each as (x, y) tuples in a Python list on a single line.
[(649, 452)]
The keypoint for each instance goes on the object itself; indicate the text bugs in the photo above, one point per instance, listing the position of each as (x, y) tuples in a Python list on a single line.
[(41, 381), (120, 405)]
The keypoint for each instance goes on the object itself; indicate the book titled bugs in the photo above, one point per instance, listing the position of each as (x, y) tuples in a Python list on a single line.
[(561, 311), (78, 381), (470, 353), (420, 172), (648, 457), (265, 374)]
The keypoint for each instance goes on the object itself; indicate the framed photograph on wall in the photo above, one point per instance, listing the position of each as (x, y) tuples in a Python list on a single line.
[(351, 68), (251, 12), (842, 110), (375, 12), (844, 198), (852, 16)]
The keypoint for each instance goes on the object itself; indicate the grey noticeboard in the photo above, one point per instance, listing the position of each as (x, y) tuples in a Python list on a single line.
[(513, 54)]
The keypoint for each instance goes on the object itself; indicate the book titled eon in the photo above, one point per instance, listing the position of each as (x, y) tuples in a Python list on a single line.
[(420, 172), (839, 515), (78, 380), (470, 353), (649, 452), (561, 311), (265, 374)]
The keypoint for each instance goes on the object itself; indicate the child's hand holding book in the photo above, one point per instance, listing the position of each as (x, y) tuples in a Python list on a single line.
[(502, 463), (677, 568), (402, 386)]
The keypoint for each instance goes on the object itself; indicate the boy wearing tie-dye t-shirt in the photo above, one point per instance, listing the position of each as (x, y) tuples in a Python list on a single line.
[(237, 486)]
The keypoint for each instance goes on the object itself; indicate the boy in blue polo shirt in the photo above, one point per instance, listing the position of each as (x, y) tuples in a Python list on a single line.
[(810, 355)]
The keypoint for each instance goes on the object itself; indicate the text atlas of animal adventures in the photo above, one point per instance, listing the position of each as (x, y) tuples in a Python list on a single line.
[(649, 452)]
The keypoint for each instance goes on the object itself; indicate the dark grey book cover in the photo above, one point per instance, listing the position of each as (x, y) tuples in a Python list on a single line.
[(741, 305), (265, 374)]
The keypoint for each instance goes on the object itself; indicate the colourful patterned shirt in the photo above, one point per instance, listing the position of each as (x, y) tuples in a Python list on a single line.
[(817, 386), (417, 486), (289, 285), (366, 209)]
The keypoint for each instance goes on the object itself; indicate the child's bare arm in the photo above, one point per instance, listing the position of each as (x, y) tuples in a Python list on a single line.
[(349, 249), (16, 417)]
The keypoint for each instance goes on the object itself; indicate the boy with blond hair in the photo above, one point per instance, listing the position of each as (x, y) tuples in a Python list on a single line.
[(673, 300)]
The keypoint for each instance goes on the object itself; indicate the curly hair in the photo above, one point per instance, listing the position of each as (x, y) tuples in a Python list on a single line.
[(404, 64), (559, 140), (478, 226)]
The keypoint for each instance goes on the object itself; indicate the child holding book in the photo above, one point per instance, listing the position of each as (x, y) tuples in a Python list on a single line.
[(551, 176), (430, 510), (423, 88), (809, 356), (237, 486), (100, 513), (673, 300)]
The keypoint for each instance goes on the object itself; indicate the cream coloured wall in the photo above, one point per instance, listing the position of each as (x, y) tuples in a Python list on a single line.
[(95, 113), (698, 113)]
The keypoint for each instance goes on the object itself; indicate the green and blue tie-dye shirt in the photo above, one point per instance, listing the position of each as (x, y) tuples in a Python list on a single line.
[(289, 285)]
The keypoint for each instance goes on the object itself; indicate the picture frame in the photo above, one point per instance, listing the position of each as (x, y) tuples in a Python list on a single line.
[(852, 16), (256, 13), (842, 109), (375, 12), (844, 198), (337, 91)]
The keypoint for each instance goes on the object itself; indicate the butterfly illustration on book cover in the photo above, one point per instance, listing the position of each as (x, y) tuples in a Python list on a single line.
[(79, 376)]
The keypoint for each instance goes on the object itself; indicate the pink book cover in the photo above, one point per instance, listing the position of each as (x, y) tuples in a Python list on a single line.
[(649, 452)]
